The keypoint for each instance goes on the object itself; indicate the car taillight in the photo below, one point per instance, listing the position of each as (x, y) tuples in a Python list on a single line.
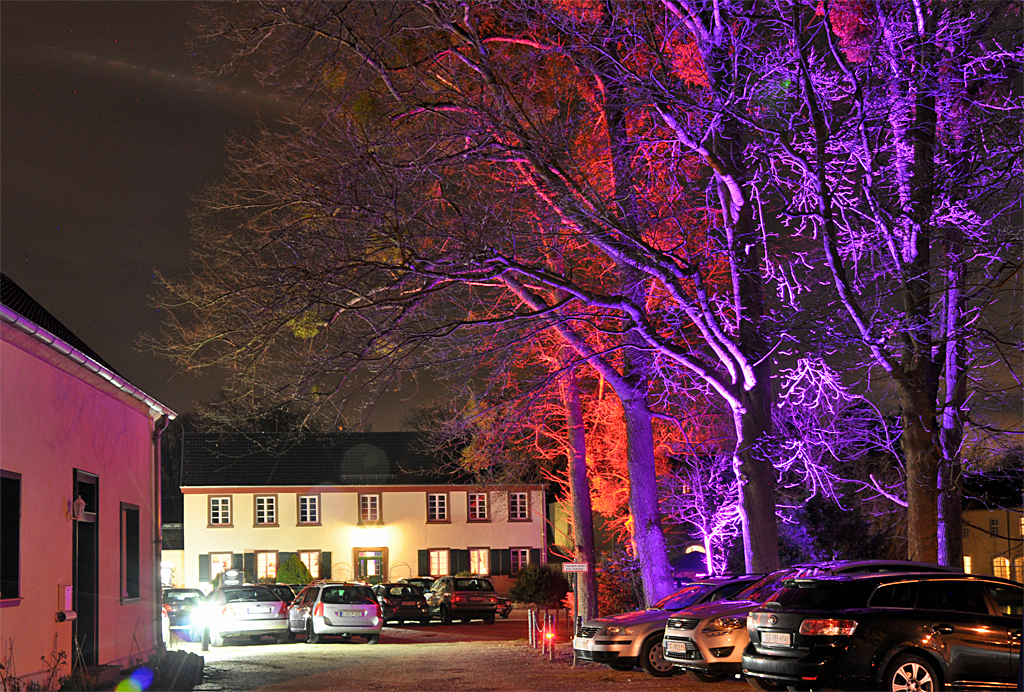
[(319, 609), (284, 609), (167, 608), (380, 613), (458, 599), (828, 627), (227, 611), (492, 599)]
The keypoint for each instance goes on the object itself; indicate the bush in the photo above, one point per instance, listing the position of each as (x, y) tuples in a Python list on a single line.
[(294, 571), (619, 587), (540, 584)]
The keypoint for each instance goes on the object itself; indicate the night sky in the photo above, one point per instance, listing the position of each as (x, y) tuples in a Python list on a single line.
[(108, 132)]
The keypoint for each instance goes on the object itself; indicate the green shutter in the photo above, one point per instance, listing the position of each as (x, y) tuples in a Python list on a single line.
[(282, 558), (249, 565), (459, 560), (204, 568), (534, 556), (237, 561), (424, 560), (325, 565), (501, 561)]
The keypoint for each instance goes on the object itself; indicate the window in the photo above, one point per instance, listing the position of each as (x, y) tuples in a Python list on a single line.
[(266, 510), (311, 559), (967, 564), (959, 596), (1007, 598), (478, 507), (518, 508), (10, 534), (220, 513), (480, 560), (1021, 527), (993, 527), (219, 562), (1001, 567), (1018, 568), (438, 563), (967, 532), (520, 558), (266, 564), (369, 509), (309, 509), (129, 551), (371, 564), (437, 507)]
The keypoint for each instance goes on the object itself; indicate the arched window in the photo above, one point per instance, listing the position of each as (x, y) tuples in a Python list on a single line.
[(1001, 567), (1018, 568)]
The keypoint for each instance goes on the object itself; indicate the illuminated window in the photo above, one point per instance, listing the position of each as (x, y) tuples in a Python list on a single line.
[(219, 562), (1001, 567), (518, 508), (266, 564), (311, 559), (266, 509), (967, 564), (1018, 568), (309, 509), (480, 560), (370, 565), (437, 507), (1021, 528), (220, 512), (478, 506), (520, 558), (369, 509), (438, 563)]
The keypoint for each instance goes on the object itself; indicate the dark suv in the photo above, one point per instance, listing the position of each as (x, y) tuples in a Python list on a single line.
[(462, 598), (888, 631)]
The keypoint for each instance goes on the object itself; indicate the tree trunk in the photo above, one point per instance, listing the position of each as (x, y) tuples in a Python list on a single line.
[(579, 490), (757, 482), (918, 444), (951, 430)]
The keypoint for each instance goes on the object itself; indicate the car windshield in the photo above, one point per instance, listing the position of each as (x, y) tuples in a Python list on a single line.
[(250, 593), (473, 585), (401, 590), (182, 597), (763, 588), (349, 595), (686, 596)]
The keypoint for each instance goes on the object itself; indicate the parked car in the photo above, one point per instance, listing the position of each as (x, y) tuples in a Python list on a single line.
[(282, 590), (626, 640), (708, 640), (504, 607), (423, 582), (889, 632), (178, 605), (401, 602), (249, 610), (344, 609), (462, 598)]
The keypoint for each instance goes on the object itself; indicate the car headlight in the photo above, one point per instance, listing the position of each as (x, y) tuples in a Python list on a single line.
[(727, 623), (617, 630)]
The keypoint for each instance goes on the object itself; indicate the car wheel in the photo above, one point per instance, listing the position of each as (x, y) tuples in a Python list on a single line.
[(912, 674), (620, 665), (652, 660), (311, 636), (446, 615), (489, 620), (465, 621), (702, 677), (215, 638), (425, 621), (372, 638), (762, 684)]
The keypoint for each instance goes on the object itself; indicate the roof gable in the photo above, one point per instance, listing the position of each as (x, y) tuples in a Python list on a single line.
[(334, 459)]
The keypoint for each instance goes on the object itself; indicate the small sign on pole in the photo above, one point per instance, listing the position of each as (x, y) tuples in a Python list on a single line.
[(574, 566)]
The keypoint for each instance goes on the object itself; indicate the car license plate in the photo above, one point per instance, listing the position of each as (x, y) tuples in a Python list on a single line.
[(676, 647), (775, 638), (476, 599), (408, 603), (255, 610), (350, 613)]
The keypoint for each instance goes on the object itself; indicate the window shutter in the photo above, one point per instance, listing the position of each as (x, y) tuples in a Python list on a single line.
[(249, 565), (282, 558), (237, 561), (424, 560), (459, 560), (204, 568), (325, 565), (534, 556), (501, 561)]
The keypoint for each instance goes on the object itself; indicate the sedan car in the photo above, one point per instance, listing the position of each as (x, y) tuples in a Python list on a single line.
[(462, 598), (401, 602), (240, 611), (178, 605), (623, 641), (347, 609), (708, 640), (424, 583), (890, 632)]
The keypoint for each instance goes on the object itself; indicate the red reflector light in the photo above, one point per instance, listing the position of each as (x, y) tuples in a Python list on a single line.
[(550, 635), (319, 609), (828, 627)]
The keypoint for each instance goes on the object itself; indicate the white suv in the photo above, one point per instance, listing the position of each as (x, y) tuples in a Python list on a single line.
[(626, 640)]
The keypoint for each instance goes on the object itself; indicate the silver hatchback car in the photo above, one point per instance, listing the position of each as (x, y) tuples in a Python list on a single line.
[(240, 611), (325, 608), (626, 640)]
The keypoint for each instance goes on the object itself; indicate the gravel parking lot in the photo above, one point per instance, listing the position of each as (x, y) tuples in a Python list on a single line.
[(469, 657)]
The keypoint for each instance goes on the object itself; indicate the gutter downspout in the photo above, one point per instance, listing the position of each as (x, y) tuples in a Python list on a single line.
[(159, 426)]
